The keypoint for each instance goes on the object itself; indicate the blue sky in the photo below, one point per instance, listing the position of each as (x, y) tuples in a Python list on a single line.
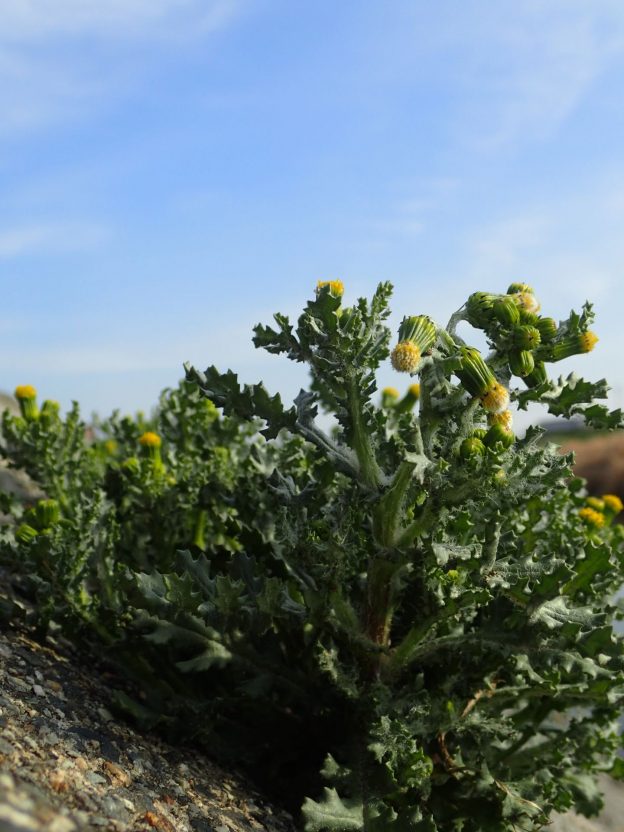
[(174, 171)]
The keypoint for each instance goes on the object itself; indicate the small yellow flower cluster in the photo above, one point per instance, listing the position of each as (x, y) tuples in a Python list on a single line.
[(587, 341), (504, 418), (601, 510), (390, 393), (593, 518), (25, 391), (150, 440), (496, 398), (336, 287), (612, 503), (405, 357)]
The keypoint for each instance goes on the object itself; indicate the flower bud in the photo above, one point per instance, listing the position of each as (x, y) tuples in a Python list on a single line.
[(612, 504), (571, 345), (47, 513), (389, 397), (527, 301), (25, 533), (515, 288), (334, 287), (537, 376), (592, 518), (131, 466), (496, 398), (499, 434), (409, 399), (480, 433), (471, 448), (420, 330), (526, 337), (504, 418), (151, 443), (547, 328), (521, 363), (506, 311), (474, 373), (49, 411), (480, 308), (405, 357), (26, 396), (595, 503)]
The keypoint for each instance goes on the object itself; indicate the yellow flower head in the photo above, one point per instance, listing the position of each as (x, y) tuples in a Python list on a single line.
[(593, 518), (504, 419), (595, 503), (496, 398), (587, 341), (612, 503), (414, 390), (336, 287), (110, 446), (150, 440), (405, 357), (25, 391), (527, 301), (390, 393)]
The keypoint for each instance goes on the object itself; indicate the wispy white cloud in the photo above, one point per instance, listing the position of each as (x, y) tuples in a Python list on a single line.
[(28, 20), (47, 73), (52, 237)]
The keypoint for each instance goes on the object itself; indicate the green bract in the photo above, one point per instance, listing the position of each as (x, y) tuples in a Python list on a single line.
[(402, 622)]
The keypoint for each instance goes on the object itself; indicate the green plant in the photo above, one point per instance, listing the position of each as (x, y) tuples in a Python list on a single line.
[(413, 601)]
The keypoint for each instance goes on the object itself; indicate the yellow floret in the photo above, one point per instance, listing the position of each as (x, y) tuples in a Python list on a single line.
[(504, 418), (595, 503), (110, 446), (150, 440), (592, 517), (25, 391), (336, 287), (588, 341), (405, 357), (613, 503), (414, 390), (496, 398)]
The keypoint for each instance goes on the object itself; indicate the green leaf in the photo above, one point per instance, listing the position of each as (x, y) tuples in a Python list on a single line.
[(252, 401), (332, 814)]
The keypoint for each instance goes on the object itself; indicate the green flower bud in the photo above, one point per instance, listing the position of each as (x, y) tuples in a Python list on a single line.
[(515, 288), (521, 363), (471, 448), (131, 465), (409, 399), (537, 376), (474, 373), (577, 344), (49, 411), (389, 397), (547, 328), (498, 433), (47, 513), (526, 337), (480, 308), (528, 318), (25, 533), (420, 330), (479, 433), (506, 311)]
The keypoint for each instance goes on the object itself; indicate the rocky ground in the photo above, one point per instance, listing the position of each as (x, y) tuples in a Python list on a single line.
[(66, 765)]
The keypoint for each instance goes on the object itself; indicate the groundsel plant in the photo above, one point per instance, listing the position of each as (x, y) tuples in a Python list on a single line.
[(402, 624), (454, 589)]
